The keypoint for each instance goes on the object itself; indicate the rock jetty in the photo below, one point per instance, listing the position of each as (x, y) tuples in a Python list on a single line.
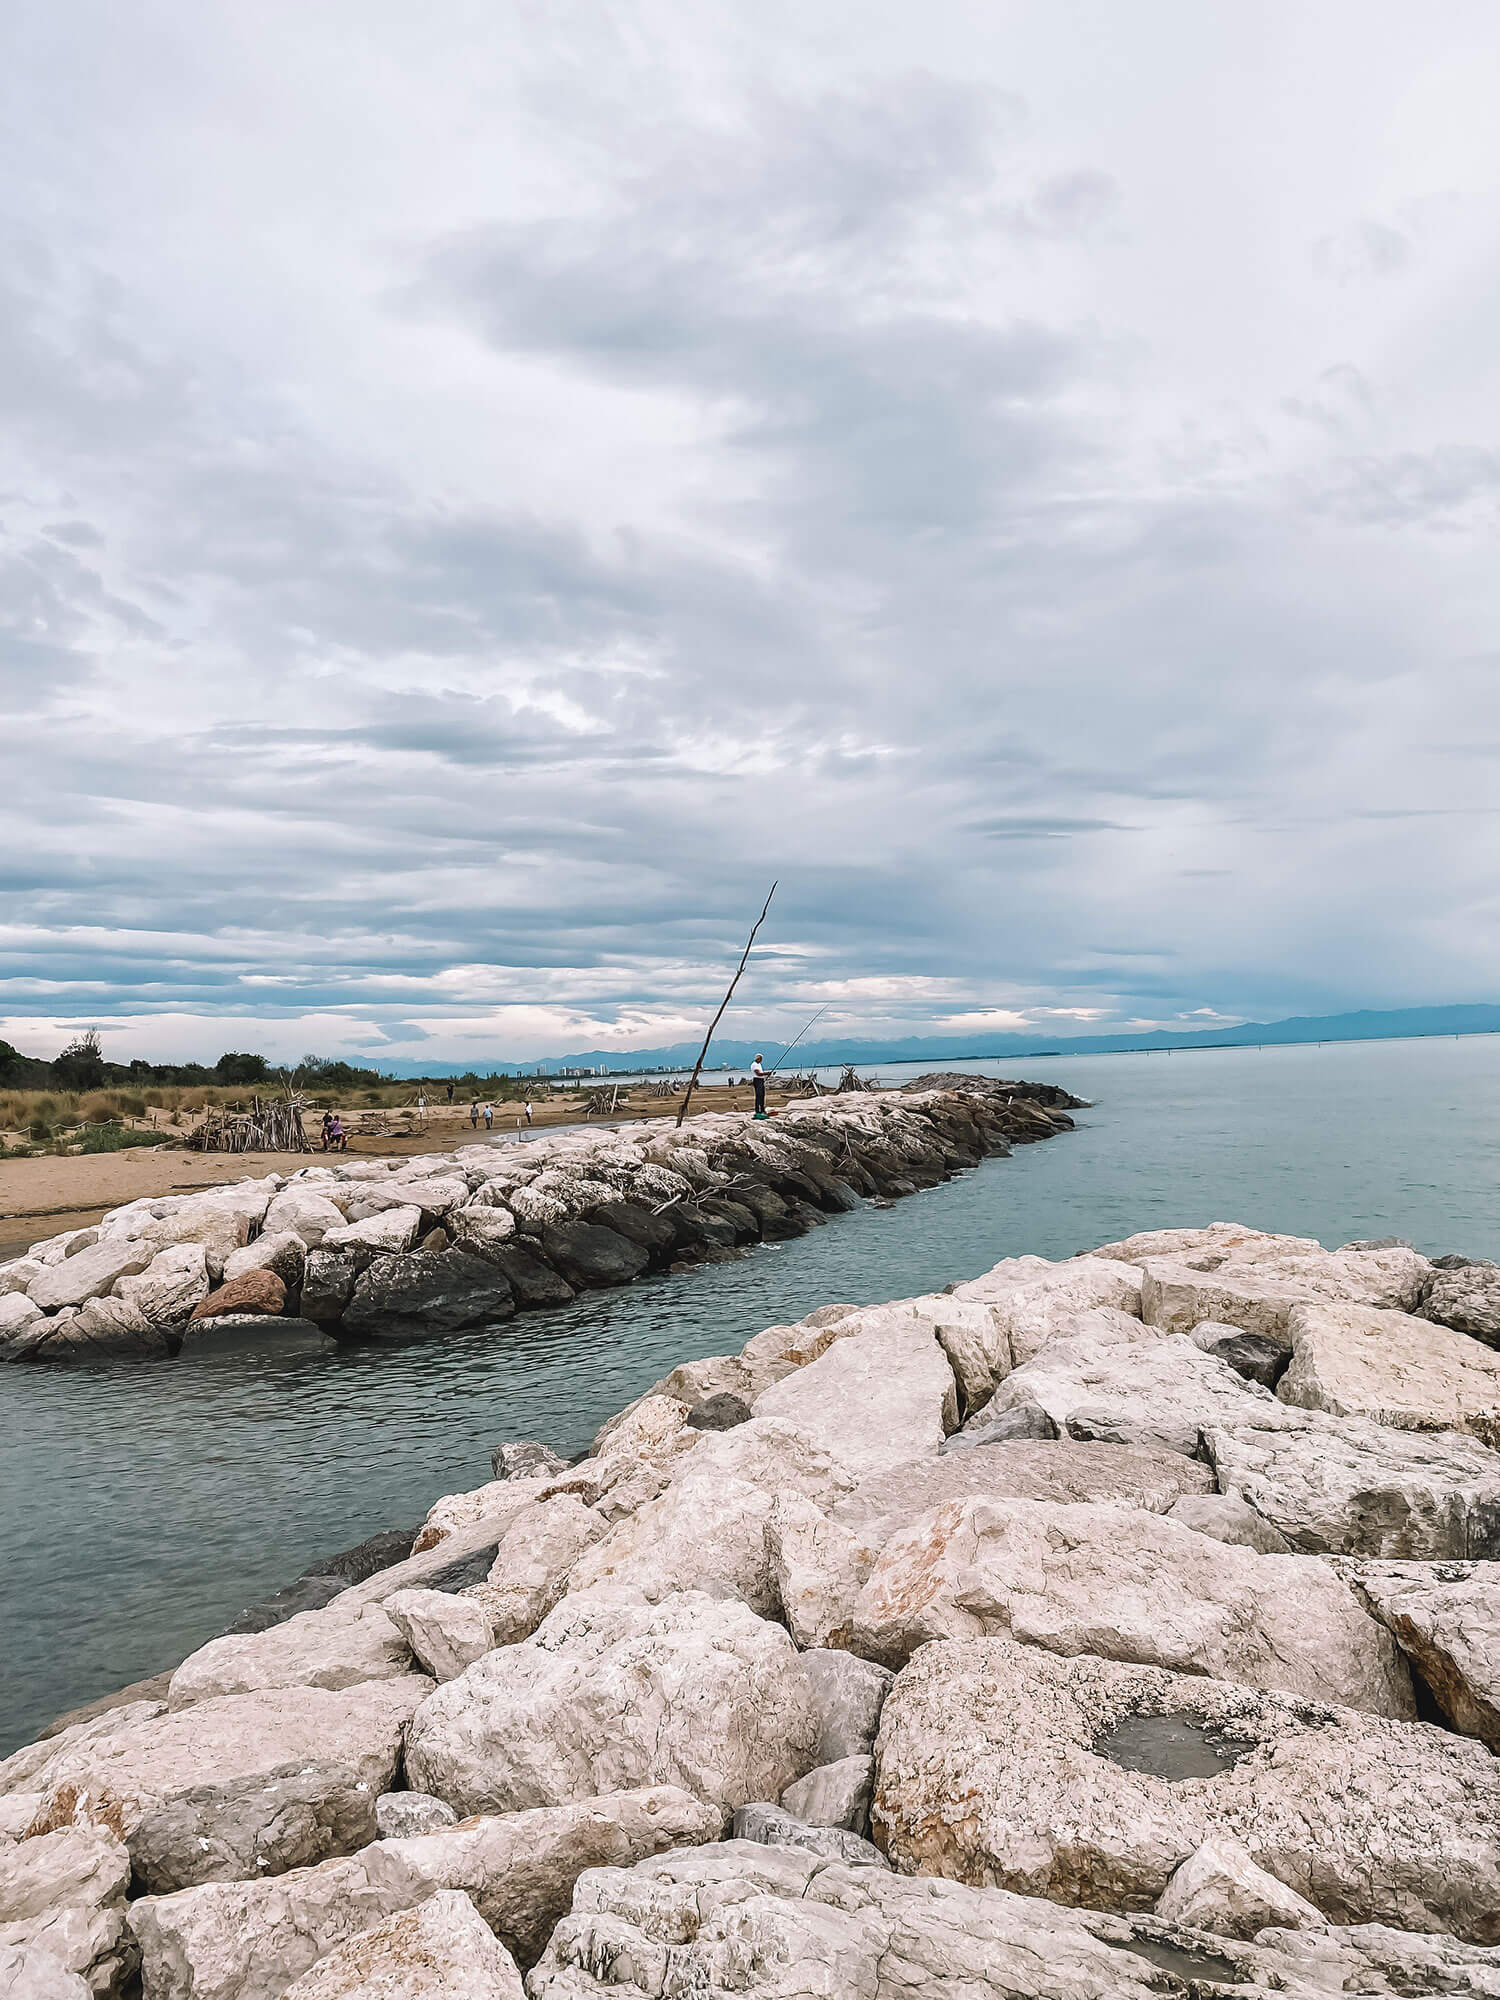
[(407, 1249), (1121, 1626)]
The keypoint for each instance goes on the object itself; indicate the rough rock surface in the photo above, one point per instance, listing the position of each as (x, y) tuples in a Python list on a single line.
[(521, 1458), (388, 1232), (771, 1923), (325, 1649), (834, 1795), (848, 1694), (27, 1972), (816, 1568), (1356, 1361), (769, 1824), (1121, 1383), (704, 1533), (1219, 1888), (253, 1292), (235, 1748), (1023, 1469), (1344, 1486), (446, 1633), (281, 1252), (872, 1399), (78, 1867), (535, 1558), (441, 1950), (1256, 1356), (399, 1815), (1000, 1764), (426, 1293), (1446, 1619), (249, 1940), (1127, 1585), (304, 1214), (1255, 1286), (1229, 1519), (170, 1287), (89, 1275), (1468, 1300), (613, 1692)]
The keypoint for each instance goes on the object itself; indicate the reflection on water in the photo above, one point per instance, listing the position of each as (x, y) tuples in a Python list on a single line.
[(142, 1505)]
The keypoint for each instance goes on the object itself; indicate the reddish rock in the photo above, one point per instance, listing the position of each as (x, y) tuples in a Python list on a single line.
[(254, 1292)]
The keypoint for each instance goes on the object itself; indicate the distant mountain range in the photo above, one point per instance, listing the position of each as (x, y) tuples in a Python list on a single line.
[(1399, 1024)]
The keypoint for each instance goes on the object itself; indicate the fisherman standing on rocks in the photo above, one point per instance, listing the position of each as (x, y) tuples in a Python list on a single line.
[(758, 1078)]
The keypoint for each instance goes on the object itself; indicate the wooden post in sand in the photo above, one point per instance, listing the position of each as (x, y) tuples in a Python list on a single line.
[(697, 1066)]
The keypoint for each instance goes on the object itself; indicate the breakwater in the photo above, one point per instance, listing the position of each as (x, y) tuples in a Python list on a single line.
[(379, 1250), (1110, 1625)]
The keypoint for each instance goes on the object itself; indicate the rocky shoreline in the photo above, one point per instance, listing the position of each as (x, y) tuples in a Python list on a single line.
[(410, 1248), (1122, 1626)]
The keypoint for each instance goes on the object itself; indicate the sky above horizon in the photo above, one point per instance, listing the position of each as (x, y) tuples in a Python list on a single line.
[(486, 488)]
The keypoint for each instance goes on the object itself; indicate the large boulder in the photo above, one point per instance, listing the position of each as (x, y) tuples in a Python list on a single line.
[(281, 1252), (873, 1399), (848, 1694), (705, 1532), (1025, 1317), (254, 1292), (1219, 1888), (1091, 1783), (612, 1692), (101, 1330), (27, 1972), (816, 1568), (1357, 1361), (249, 1940), (1445, 1617), (222, 1227), (1344, 1486), (535, 1558), (769, 1824), (89, 1275), (1468, 1300), (328, 1281), (480, 1228), (388, 1232), (171, 1287), (78, 1867), (589, 1255), (1121, 1383), (441, 1950), (1023, 1469), (304, 1213), (1254, 1286), (426, 1293), (197, 1793), (434, 1196), (325, 1649), (772, 1922), (445, 1631), (1127, 1585)]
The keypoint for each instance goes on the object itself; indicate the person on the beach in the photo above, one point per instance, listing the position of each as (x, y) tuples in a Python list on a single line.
[(489, 1117), (450, 1093), (758, 1078), (327, 1126), (338, 1138), (474, 1114), (528, 1111)]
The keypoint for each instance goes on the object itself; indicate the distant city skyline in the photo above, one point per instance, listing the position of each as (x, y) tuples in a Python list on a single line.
[(484, 491)]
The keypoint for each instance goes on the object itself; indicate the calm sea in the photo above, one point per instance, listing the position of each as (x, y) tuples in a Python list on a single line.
[(142, 1506)]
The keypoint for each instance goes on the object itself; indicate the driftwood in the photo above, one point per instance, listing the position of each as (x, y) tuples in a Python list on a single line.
[(744, 957), (271, 1125)]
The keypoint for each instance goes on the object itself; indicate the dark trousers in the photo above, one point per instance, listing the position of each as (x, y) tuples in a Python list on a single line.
[(760, 1092)]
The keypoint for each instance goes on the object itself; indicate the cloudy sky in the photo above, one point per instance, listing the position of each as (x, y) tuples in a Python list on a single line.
[(486, 486)]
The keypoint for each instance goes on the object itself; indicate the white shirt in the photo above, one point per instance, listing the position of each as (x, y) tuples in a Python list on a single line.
[(757, 1068)]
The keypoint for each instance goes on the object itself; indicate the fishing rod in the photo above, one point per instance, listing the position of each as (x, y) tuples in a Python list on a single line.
[(792, 1044)]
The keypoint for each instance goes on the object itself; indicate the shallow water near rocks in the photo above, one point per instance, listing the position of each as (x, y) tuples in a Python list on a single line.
[(142, 1506), (1173, 1747)]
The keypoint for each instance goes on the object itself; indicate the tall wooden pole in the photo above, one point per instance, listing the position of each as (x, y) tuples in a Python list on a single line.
[(697, 1066)]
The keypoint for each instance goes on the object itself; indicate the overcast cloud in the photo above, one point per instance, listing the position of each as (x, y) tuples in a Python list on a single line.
[(485, 487)]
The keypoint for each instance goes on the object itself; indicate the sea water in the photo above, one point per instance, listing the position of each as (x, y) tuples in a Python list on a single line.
[(142, 1505)]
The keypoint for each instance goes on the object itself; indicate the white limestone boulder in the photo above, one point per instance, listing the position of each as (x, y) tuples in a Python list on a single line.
[(304, 1213), (873, 1399), (172, 1285), (1127, 1585), (249, 1940), (704, 1533), (281, 1252), (22, 1771), (399, 1815), (1219, 1888), (497, 1502), (446, 1632), (481, 1228), (204, 1791), (1345, 1486), (1445, 1617), (1468, 1300), (534, 1560), (387, 1232), (772, 1923), (1255, 1287), (613, 1692), (834, 1794), (17, 1312), (1061, 1470), (323, 1649), (220, 1227), (816, 1569), (29, 1973), (80, 1867), (73, 1281), (848, 1694), (441, 1950), (1358, 1361), (1120, 1383), (775, 1456), (997, 1763)]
